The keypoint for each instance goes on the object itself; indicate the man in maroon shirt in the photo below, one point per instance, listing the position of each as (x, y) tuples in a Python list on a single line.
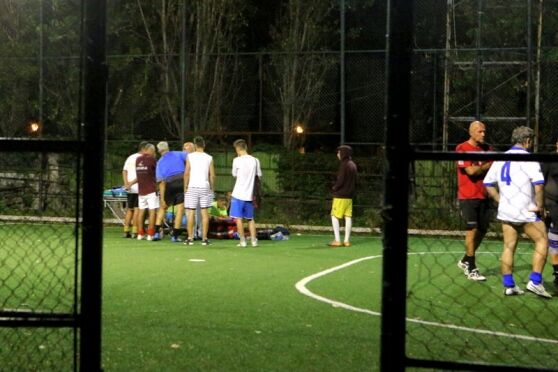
[(147, 186), (473, 201)]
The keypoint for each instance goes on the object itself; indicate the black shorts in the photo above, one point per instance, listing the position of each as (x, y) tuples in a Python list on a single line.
[(476, 213), (174, 191), (552, 207), (132, 201)]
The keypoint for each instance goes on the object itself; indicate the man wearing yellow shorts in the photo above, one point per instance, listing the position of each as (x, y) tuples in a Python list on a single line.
[(343, 194)]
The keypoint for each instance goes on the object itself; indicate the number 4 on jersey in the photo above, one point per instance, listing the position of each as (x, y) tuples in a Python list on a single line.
[(505, 173)]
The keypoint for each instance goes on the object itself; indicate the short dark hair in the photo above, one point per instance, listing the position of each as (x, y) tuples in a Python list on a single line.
[(199, 142), (240, 143)]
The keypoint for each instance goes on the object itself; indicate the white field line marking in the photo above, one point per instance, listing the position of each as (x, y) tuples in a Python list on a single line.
[(301, 287)]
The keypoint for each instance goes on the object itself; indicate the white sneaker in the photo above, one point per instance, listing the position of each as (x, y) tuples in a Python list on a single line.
[(140, 237), (149, 238), (242, 244), (476, 276), (255, 243), (463, 266), (513, 291), (538, 289)]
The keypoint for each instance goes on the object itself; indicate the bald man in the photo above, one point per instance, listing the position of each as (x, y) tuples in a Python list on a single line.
[(474, 204)]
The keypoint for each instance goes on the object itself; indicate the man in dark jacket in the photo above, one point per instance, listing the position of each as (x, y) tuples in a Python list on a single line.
[(343, 194)]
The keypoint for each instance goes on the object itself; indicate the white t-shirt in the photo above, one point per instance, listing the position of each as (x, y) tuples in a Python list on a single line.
[(130, 167), (245, 168), (516, 181), (199, 169)]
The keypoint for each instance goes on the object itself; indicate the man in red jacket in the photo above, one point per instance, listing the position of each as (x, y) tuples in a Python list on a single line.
[(473, 200), (343, 194)]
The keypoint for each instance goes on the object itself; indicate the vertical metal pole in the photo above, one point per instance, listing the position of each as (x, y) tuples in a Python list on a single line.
[(342, 71), (41, 61), (447, 56), (538, 75), (95, 76), (260, 95), (183, 73), (478, 62), (529, 65), (435, 102), (395, 210), (42, 184)]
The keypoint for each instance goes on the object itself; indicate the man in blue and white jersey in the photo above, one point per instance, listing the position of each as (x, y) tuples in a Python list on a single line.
[(518, 187), (170, 175)]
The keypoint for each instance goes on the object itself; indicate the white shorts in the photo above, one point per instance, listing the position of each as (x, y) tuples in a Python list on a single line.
[(196, 196), (149, 201)]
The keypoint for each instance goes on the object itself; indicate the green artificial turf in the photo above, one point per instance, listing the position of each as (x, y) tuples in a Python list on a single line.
[(239, 310)]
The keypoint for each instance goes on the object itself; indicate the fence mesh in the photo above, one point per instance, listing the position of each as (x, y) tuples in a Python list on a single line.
[(37, 349), (38, 257), (453, 318)]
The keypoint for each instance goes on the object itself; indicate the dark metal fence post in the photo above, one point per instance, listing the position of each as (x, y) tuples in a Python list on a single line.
[(478, 62), (260, 92), (395, 213), (93, 162), (183, 55), (342, 82)]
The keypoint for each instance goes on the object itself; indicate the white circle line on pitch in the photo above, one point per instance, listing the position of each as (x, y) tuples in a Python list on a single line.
[(301, 287)]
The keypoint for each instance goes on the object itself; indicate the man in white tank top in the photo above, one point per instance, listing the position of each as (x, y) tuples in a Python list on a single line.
[(199, 183)]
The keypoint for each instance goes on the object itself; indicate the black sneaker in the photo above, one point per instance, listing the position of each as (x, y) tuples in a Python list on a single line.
[(127, 235), (188, 242), (206, 242)]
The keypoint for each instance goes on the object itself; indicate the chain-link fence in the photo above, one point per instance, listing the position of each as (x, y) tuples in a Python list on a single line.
[(469, 308), (162, 93), (457, 317), (483, 70), (258, 104), (38, 258)]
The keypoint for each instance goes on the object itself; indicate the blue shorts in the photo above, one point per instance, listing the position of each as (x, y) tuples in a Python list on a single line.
[(241, 209)]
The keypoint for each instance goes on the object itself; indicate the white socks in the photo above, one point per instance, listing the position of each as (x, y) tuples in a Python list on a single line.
[(348, 225), (335, 224), (336, 228)]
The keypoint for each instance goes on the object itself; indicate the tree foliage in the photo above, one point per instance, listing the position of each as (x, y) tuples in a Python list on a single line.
[(212, 71), (298, 76)]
